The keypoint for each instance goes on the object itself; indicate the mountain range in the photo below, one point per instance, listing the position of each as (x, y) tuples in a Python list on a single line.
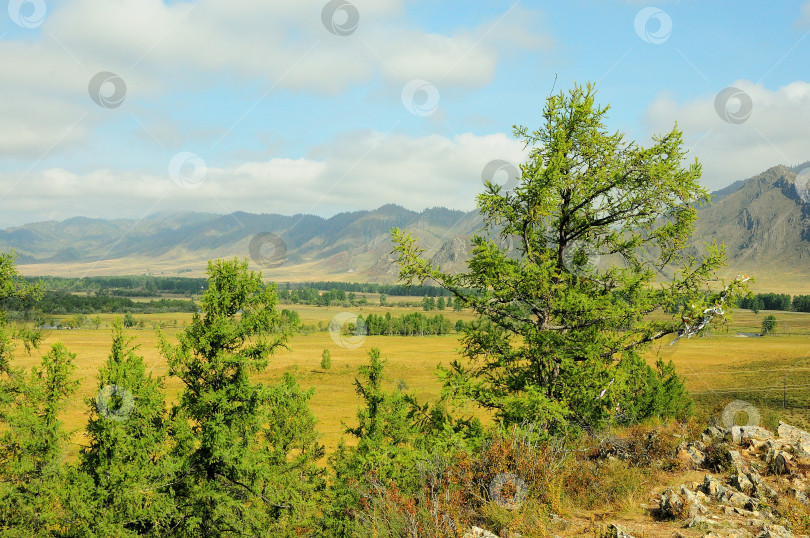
[(764, 222)]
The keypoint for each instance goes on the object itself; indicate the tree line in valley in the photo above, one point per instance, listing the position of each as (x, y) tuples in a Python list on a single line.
[(339, 297), (397, 290), (153, 286), (61, 302), (128, 286), (413, 324), (99, 294), (776, 301), (111, 294)]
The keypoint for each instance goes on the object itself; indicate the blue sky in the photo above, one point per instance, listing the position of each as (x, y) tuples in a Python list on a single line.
[(229, 105)]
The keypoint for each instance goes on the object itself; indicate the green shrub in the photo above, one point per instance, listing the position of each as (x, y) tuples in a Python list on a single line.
[(768, 325)]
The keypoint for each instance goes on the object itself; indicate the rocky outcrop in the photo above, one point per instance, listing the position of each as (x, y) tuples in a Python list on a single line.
[(742, 502), (752, 471)]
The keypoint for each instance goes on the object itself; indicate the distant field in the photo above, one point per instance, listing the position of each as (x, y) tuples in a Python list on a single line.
[(786, 280), (760, 370), (176, 263), (764, 371)]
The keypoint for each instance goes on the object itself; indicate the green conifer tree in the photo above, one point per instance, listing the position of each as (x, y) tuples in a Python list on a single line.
[(248, 450)]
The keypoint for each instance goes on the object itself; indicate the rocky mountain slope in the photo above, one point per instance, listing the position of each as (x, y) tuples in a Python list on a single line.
[(765, 226)]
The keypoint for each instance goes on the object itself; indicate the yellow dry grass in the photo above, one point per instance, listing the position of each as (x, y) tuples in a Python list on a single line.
[(411, 360), (711, 365)]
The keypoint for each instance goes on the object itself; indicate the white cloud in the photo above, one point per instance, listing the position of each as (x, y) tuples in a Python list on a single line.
[(361, 170), (161, 49), (468, 57), (774, 133)]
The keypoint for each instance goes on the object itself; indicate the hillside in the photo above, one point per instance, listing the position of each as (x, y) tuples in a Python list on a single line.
[(765, 226), (763, 221)]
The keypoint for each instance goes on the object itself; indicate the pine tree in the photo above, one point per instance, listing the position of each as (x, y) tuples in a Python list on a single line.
[(32, 475), (248, 450), (385, 451), (128, 463), (32, 440)]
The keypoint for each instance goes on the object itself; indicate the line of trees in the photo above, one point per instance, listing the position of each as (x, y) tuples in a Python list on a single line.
[(801, 303), (313, 296), (431, 303), (61, 302), (413, 324), (338, 296), (397, 290), (776, 301), (132, 286)]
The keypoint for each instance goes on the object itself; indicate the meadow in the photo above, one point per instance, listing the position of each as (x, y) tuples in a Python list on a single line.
[(768, 372)]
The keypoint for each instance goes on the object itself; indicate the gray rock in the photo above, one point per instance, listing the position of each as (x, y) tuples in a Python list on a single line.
[(717, 490), (750, 514), (758, 445), (699, 520), (737, 461), (478, 532), (697, 455), (692, 454), (692, 502), (713, 487), (775, 531), (799, 439), (778, 444), (761, 489), (781, 462), (799, 495), (615, 531), (741, 481), (786, 431), (743, 434), (714, 434), (758, 433), (671, 504), (737, 499)]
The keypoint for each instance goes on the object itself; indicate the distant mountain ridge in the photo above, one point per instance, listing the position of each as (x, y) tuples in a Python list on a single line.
[(763, 221), (351, 243)]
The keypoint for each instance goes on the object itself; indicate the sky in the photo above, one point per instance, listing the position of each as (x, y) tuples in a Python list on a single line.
[(125, 108)]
